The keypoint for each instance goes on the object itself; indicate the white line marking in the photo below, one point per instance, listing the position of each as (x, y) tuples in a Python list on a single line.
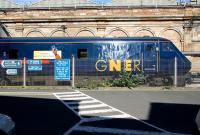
[(77, 95), (117, 116), (82, 102), (77, 98), (88, 106), (131, 116), (67, 106), (116, 131), (122, 116), (61, 93), (95, 111)]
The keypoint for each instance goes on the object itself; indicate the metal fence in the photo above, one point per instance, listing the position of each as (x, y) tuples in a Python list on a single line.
[(92, 72), (50, 4)]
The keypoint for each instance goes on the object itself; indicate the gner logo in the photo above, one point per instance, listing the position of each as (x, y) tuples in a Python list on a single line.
[(116, 65)]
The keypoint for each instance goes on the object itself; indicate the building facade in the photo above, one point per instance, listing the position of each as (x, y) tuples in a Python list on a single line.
[(180, 24)]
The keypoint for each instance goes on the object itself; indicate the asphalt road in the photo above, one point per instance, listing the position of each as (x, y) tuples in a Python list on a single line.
[(100, 112), (172, 111)]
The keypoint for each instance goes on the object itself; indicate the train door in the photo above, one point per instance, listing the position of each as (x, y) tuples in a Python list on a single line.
[(151, 57)]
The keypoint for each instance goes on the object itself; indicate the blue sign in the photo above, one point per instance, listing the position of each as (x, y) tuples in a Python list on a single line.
[(35, 68), (11, 71), (62, 70), (11, 64), (101, 1), (34, 65), (34, 62)]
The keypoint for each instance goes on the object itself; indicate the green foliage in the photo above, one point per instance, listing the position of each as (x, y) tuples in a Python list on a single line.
[(90, 84), (127, 79)]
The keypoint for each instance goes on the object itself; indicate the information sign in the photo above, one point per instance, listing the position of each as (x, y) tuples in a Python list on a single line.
[(62, 70), (11, 64), (11, 71), (35, 68)]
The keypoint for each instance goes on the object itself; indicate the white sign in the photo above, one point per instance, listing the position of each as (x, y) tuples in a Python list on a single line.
[(11, 71), (46, 55)]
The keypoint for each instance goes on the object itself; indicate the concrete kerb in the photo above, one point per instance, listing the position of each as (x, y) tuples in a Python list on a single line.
[(68, 88)]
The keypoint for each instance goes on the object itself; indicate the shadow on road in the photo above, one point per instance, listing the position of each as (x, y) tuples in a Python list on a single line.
[(173, 117), (38, 116)]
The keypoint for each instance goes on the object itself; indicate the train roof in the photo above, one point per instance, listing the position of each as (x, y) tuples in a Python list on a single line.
[(77, 39)]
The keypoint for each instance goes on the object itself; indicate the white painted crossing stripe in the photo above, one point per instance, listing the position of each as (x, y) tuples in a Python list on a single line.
[(89, 106), (72, 95), (131, 116), (75, 98), (122, 116), (93, 100), (117, 116), (61, 93), (96, 111), (117, 131), (82, 102)]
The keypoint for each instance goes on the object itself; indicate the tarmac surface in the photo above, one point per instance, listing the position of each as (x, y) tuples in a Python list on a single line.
[(105, 111)]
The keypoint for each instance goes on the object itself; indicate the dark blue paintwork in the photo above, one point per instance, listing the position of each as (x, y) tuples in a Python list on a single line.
[(156, 54)]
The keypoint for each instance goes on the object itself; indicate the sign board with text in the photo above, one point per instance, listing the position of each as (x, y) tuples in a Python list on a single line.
[(62, 70), (11, 64)]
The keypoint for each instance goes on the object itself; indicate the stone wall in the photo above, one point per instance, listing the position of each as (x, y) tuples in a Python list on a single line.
[(181, 25)]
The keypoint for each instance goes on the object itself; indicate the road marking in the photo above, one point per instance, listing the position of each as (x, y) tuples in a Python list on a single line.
[(86, 102), (61, 93), (73, 95), (88, 106), (95, 111), (122, 116), (82, 102), (76, 98), (116, 131)]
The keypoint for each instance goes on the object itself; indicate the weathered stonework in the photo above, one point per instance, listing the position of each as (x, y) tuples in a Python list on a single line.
[(181, 25)]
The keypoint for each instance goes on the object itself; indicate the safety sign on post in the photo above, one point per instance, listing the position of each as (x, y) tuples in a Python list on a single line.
[(62, 70)]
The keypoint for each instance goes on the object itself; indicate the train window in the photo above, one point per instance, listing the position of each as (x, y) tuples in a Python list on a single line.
[(3, 54), (166, 47), (82, 54), (150, 47), (13, 54)]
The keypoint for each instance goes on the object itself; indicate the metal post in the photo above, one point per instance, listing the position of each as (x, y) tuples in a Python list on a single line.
[(73, 71), (175, 71), (24, 73)]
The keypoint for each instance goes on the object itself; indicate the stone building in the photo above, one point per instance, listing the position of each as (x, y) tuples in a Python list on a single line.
[(176, 21)]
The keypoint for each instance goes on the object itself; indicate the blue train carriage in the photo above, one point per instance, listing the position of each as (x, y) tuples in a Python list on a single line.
[(153, 57)]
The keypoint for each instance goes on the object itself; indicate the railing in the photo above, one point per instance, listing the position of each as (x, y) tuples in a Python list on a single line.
[(91, 72), (78, 4)]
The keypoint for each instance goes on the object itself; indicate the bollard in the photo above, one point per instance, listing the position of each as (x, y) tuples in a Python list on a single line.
[(175, 72), (73, 71), (24, 73)]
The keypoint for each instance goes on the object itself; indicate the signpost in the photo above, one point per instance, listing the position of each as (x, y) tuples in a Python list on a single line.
[(62, 70), (11, 64)]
